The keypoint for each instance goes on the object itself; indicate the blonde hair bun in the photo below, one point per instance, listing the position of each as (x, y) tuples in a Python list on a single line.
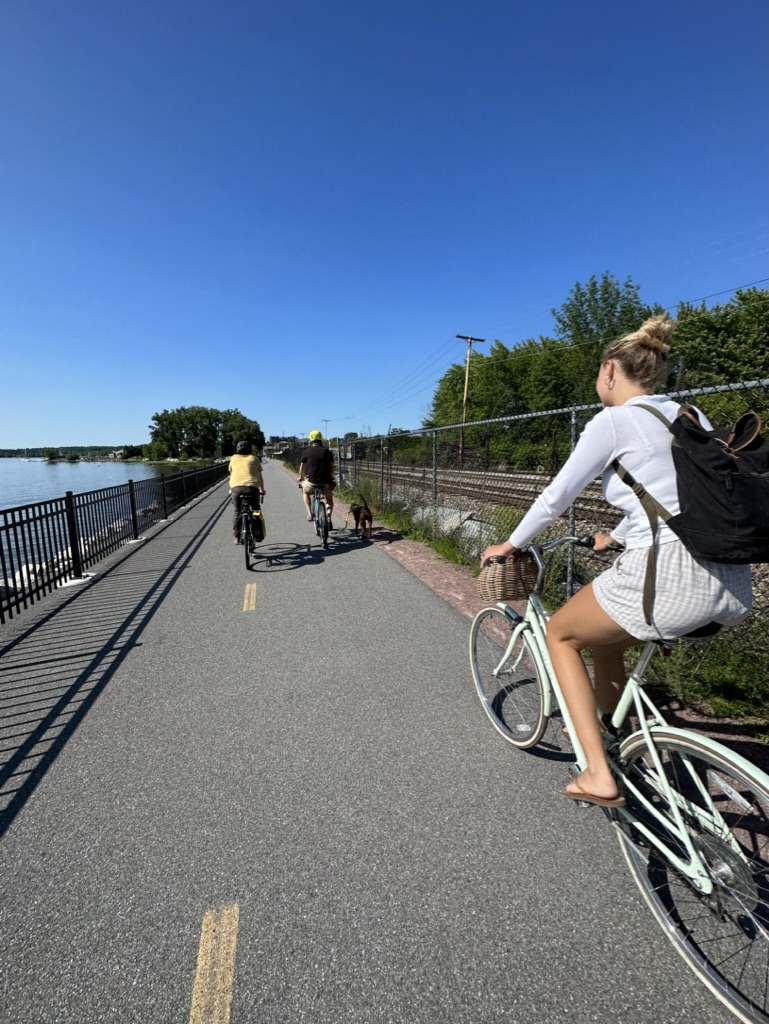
[(654, 334), (642, 354)]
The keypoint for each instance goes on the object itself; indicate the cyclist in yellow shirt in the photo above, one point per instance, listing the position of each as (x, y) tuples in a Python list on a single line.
[(245, 479)]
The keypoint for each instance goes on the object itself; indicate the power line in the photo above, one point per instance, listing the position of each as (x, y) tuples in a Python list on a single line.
[(391, 397), (711, 247), (713, 295)]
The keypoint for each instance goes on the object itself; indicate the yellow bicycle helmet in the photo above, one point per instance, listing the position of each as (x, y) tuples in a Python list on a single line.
[(315, 435)]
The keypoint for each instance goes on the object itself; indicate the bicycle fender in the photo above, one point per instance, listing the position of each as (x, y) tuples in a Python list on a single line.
[(510, 612), (693, 738)]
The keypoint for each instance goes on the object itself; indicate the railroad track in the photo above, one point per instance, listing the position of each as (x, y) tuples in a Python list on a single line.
[(476, 488)]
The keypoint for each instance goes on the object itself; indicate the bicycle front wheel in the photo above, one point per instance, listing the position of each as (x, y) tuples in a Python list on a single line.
[(322, 524), (723, 935), (507, 678)]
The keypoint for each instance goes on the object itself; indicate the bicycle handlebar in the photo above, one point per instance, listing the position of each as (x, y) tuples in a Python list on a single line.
[(587, 540)]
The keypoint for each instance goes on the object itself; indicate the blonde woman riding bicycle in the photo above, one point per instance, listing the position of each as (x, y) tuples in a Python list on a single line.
[(607, 614)]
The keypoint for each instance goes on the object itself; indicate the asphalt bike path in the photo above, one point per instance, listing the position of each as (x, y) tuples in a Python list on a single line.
[(272, 796)]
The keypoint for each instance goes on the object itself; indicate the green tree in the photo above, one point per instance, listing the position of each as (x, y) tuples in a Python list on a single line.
[(446, 406), (725, 343), (166, 431), (592, 316), (599, 311), (198, 432), (201, 427), (156, 451), (237, 427)]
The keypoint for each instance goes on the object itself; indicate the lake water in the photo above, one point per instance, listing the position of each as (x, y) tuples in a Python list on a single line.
[(23, 482)]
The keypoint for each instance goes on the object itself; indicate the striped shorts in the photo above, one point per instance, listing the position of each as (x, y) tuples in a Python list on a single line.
[(689, 592)]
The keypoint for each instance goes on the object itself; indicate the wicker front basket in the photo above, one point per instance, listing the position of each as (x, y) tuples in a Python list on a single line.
[(505, 580)]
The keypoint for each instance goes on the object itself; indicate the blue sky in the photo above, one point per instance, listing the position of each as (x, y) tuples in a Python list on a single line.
[(291, 208)]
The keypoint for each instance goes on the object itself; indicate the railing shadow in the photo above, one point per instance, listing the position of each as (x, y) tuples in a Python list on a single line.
[(52, 673)]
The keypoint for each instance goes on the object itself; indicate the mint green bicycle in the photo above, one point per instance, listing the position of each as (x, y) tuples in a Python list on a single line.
[(695, 827)]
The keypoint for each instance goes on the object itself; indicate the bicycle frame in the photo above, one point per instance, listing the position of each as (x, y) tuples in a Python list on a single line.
[(315, 500), (533, 623), (708, 817), (246, 509)]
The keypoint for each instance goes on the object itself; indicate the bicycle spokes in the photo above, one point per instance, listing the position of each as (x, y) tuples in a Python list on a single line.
[(696, 836)]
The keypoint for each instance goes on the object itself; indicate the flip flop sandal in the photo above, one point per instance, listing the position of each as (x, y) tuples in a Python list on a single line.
[(591, 798)]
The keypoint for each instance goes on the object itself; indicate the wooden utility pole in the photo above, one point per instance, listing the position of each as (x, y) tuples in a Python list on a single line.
[(469, 340)]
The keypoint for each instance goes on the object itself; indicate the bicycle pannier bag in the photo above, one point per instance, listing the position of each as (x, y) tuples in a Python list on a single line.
[(503, 579), (260, 527)]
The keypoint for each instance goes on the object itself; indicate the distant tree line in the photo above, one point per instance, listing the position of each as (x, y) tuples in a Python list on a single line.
[(69, 453), (197, 432), (188, 433)]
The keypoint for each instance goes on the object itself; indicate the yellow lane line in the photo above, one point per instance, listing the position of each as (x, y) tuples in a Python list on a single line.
[(212, 993), (249, 601)]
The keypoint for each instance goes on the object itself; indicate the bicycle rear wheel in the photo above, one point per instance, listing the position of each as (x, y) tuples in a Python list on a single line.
[(724, 935), (322, 522), (507, 678), (247, 540)]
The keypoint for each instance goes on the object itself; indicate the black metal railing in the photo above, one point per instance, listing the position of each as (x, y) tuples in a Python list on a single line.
[(49, 543)]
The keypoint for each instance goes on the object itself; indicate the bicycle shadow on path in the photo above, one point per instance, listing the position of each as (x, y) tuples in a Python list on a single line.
[(281, 557), (53, 671)]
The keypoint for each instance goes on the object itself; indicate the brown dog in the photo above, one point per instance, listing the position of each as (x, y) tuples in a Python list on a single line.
[(363, 518)]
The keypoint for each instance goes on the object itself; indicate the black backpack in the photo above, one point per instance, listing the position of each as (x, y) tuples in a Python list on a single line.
[(723, 492)]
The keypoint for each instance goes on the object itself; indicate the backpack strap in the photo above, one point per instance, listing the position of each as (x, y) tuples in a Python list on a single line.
[(744, 432), (654, 513), (655, 412)]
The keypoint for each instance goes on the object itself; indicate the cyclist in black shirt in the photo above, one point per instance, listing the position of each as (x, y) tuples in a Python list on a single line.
[(316, 469)]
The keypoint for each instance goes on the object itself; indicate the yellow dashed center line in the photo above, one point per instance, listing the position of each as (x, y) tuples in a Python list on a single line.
[(212, 994), (249, 601)]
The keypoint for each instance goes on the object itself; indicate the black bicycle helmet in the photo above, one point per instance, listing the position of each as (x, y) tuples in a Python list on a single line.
[(243, 447)]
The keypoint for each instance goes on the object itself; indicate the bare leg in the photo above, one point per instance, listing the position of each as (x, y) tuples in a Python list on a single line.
[(609, 675), (307, 504), (582, 623)]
